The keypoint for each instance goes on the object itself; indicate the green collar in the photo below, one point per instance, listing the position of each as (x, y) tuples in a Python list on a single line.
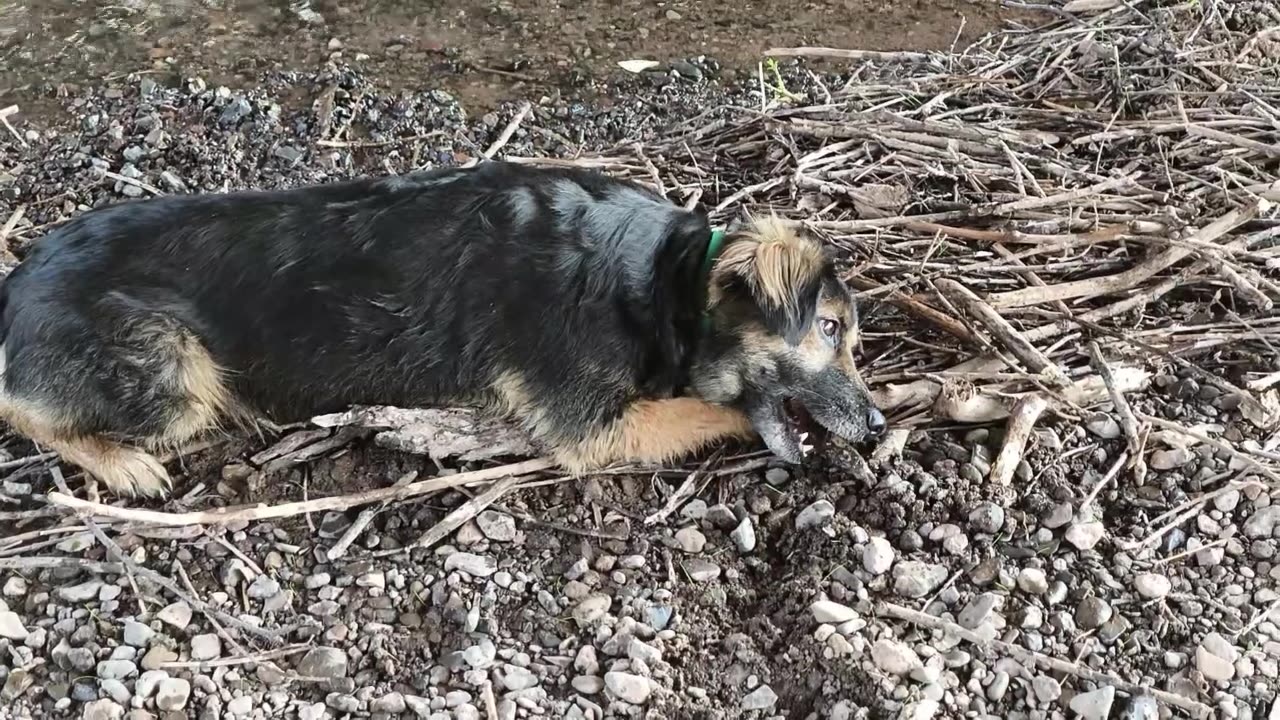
[(713, 251)]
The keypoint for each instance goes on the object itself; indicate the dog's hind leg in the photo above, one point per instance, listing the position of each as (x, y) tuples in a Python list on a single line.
[(656, 431), (150, 382)]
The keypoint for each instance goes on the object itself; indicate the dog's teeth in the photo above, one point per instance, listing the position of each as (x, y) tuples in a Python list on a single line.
[(804, 436), (806, 449)]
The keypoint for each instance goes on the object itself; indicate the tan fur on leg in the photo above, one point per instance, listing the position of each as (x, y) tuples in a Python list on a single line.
[(123, 469), (656, 431)]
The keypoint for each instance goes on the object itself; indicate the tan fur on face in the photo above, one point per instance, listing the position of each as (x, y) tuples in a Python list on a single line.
[(657, 431), (771, 258)]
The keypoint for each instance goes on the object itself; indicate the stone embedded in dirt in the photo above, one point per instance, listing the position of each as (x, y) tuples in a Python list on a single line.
[(1046, 689), (587, 684), (1105, 427), (206, 647), (894, 657), (586, 662), (172, 694), (137, 634), (721, 516), (689, 540), (11, 626), (1095, 704), (389, 704), (1060, 515), (323, 662), (1083, 536), (147, 683), (116, 669), (762, 698), (817, 515), (1262, 524), (1033, 581), (913, 579), (515, 678), (744, 536), (82, 593), (263, 587), (702, 570), (1227, 501), (877, 556), (473, 565), (627, 687), (1170, 459), (1152, 586), (987, 518), (694, 510), (157, 657), (177, 615), (102, 710), (14, 587), (1216, 657), (826, 611), (77, 543), (499, 527), (777, 476), (591, 609), (1145, 707), (978, 611)]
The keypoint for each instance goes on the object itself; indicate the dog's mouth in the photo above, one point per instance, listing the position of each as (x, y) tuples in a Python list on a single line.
[(807, 434)]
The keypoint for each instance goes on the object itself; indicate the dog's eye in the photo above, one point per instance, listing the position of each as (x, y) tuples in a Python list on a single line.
[(829, 327)]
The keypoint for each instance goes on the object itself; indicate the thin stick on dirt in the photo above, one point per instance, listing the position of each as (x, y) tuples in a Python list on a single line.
[(1245, 458), (841, 54), (1022, 422), (459, 516), (362, 521), (1035, 659), (1128, 422), (508, 131), (249, 513)]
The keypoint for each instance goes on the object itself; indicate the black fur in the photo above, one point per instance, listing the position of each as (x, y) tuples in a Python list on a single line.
[(410, 291)]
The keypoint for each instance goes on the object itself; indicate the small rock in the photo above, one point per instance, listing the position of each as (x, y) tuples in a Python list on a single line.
[(147, 683), (987, 518), (206, 647), (917, 579), (762, 698), (894, 657), (777, 476), (324, 662), (473, 565), (499, 527), (1095, 704), (1143, 707), (116, 669), (390, 704), (1170, 459), (137, 634), (263, 587), (721, 516), (673, 15), (588, 684), (1227, 501), (15, 587), (1046, 689), (702, 570), (1092, 613), (102, 710), (690, 540), (817, 515), (1152, 586), (627, 687), (1212, 666), (825, 611), (591, 609), (11, 626), (978, 611), (1083, 536), (744, 536), (877, 556), (177, 615), (173, 694), (1262, 523), (1033, 581), (1060, 515), (1104, 427), (82, 593), (516, 678)]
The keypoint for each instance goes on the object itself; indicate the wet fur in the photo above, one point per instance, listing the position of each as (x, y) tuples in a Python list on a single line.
[(572, 301)]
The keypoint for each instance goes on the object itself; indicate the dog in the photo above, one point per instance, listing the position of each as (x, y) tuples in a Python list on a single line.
[(612, 324)]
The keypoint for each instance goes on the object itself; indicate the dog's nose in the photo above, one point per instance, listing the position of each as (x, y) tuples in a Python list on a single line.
[(875, 423)]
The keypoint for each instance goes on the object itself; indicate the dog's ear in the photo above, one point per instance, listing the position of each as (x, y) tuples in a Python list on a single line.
[(777, 271)]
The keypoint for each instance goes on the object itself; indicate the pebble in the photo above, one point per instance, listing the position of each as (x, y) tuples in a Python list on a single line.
[(1060, 515), (240, 707), (102, 710), (516, 678), (11, 626), (1104, 427), (137, 634), (1095, 704), (627, 687), (987, 518), (1083, 536), (1092, 613), (591, 609), (1227, 501), (1215, 667), (324, 662), (702, 570), (1152, 586), (744, 536), (82, 593), (762, 698), (914, 579), (978, 611), (816, 515), (1033, 581), (1170, 459), (894, 657), (497, 526), (721, 516), (777, 476), (206, 647), (825, 611), (877, 556), (1262, 523), (1046, 689), (390, 704), (588, 684), (263, 587), (690, 540), (177, 615), (1145, 707), (116, 669), (473, 565)]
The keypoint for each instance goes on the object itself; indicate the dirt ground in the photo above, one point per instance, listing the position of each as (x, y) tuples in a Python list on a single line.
[(483, 52)]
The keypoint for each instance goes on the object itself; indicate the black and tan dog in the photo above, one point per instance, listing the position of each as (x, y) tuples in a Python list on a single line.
[(613, 324)]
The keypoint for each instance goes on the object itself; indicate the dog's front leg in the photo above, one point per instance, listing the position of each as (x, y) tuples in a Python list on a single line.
[(657, 431)]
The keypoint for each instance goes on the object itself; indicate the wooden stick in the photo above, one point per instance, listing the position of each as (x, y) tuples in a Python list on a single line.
[(509, 130), (1022, 421), (838, 53), (1034, 659), (1127, 421), (1264, 149), (945, 322), (1219, 444), (247, 513), (459, 516), (1003, 331)]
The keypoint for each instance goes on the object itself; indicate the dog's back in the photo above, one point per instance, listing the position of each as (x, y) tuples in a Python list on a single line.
[(158, 319)]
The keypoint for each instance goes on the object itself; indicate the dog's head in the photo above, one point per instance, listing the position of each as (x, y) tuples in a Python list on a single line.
[(783, 340)]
